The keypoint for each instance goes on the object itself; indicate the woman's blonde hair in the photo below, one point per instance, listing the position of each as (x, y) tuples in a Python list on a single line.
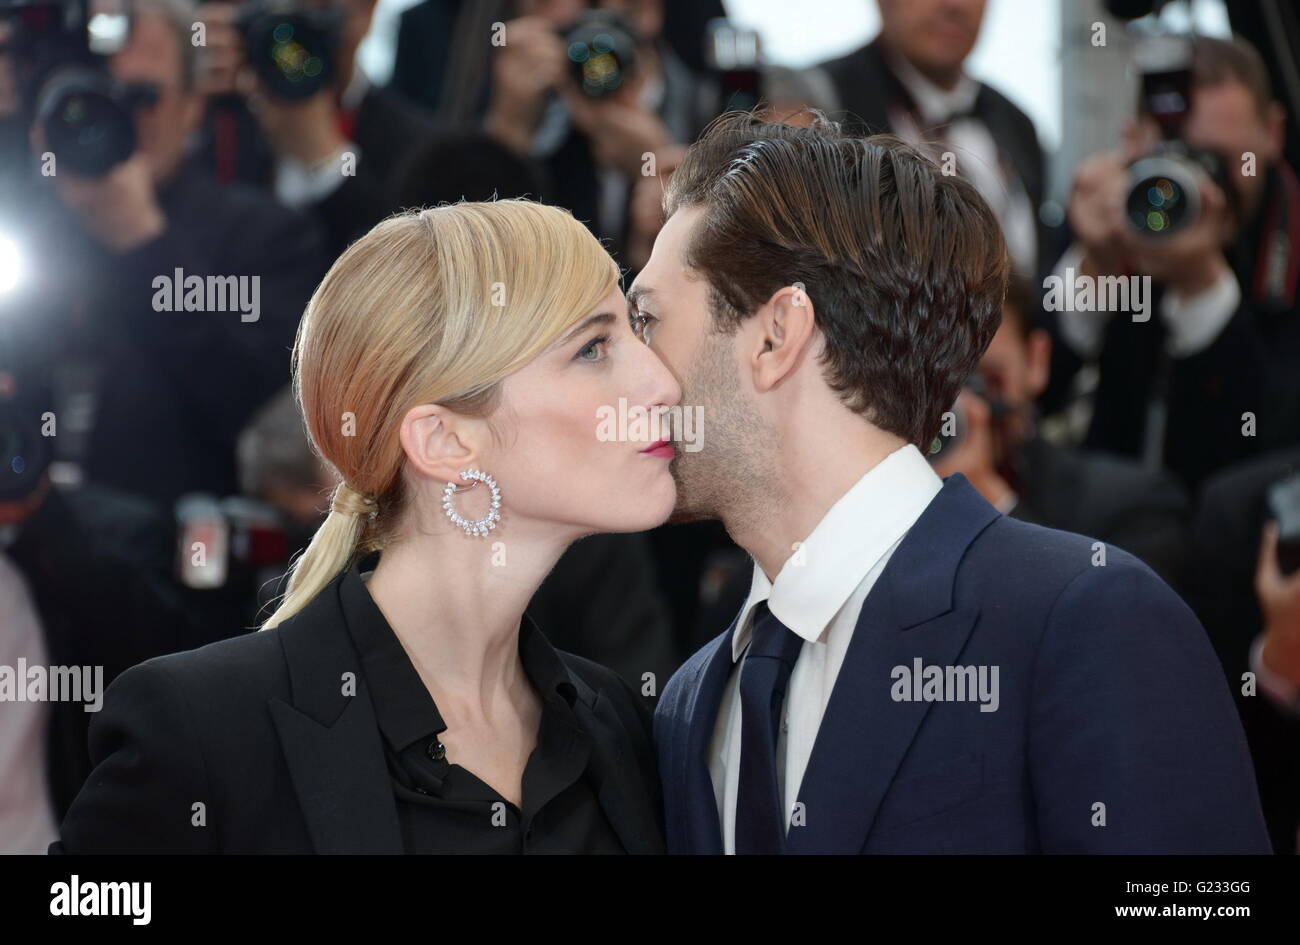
[(431, 306)]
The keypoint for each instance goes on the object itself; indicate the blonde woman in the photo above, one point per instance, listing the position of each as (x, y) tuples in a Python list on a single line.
[(450, 367)]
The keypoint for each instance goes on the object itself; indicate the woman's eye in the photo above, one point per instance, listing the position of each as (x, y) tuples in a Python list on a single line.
[(591, 351)]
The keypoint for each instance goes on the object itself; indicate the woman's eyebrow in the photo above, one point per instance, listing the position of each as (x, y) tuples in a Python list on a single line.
[(603, 318)]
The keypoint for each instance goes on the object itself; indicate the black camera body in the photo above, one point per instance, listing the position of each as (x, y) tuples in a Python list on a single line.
[(86, 115), (293, 50), (1164, 194), (25, 452), (602, 50), (942, 447)]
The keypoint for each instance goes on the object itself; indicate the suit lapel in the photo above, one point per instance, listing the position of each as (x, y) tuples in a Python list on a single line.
[(909, 614), (703, 827), (330, 739)]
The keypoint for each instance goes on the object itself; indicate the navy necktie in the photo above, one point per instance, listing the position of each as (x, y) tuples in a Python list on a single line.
[(764, 675)]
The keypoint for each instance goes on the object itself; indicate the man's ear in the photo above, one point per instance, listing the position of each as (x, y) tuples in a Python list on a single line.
[(786, 325), (439, 443)]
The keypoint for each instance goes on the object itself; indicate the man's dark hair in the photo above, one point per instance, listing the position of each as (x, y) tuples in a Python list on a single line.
[(1221, 60), (905, 266)]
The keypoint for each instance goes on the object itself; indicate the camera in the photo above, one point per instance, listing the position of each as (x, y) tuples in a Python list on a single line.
[(292, 49), (601, 46), (1164, 185), (942, 446), (24, 453), (59, 51)]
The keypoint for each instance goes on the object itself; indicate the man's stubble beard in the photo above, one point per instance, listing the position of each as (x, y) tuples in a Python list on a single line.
[(731, 465)]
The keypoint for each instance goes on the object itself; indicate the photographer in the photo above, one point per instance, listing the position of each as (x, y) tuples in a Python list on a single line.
[(1250, 606), (1000, 450), (1211, 378), (152, 393), (592, 143), (115, 550), (335, 151)]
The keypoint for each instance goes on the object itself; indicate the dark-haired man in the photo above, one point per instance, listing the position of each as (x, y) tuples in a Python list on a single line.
[(913, 671)]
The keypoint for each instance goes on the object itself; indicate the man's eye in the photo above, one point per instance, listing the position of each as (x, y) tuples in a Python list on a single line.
[(591, 351), (641, 325)]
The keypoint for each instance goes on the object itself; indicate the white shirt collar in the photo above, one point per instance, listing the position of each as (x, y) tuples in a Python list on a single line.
[(936, 104), (847, 543), (357, 88)]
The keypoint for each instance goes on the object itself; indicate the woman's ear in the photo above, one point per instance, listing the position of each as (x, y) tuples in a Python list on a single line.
[(439, 443)]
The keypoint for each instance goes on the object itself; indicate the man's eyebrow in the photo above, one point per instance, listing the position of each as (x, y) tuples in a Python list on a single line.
[(637, 294), (603, 318)]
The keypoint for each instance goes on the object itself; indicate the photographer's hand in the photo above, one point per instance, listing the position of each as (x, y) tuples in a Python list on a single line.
[(119, 210), (975, 456), (620, 130), (531, 63), (306, 131), (1096, 212), (1279, 600)]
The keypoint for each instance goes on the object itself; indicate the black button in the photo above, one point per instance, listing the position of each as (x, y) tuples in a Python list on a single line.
[(437, 751)]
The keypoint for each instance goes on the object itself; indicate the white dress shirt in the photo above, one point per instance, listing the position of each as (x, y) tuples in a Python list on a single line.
[(818, 595), (298, 184), (1192, 323)]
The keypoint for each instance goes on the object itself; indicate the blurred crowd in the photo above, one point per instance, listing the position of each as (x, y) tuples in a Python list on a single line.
[(158, 478)]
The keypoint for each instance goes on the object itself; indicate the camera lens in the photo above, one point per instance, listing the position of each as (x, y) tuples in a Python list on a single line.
[(294, 61), (602, 49), (85, 122), (24, 454), (1162, 197)]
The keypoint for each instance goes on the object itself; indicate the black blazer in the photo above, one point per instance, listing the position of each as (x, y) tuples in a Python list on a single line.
[(251, 745)]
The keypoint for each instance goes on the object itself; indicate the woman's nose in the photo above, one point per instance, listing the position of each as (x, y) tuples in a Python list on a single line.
[(661, 387)]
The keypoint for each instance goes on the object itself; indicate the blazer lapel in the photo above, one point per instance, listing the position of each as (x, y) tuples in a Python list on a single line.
[(909, 614), (330, 739), (703, 828)]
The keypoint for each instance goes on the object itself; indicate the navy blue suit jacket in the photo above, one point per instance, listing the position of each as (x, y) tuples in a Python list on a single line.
[(1115, 731)]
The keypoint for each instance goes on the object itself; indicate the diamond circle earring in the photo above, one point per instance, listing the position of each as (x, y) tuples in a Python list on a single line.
[(478, 527)]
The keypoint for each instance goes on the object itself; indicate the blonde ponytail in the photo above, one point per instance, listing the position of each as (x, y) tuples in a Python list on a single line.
[(410, 314), (330, 551)]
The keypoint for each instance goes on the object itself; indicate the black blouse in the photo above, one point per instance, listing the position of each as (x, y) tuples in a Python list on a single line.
[(444, 808)]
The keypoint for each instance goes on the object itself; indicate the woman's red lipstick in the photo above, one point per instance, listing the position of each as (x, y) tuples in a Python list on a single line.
[(662, 448)]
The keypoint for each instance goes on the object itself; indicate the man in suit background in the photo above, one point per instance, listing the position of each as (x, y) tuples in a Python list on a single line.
[(913, 671), (909, 80)]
